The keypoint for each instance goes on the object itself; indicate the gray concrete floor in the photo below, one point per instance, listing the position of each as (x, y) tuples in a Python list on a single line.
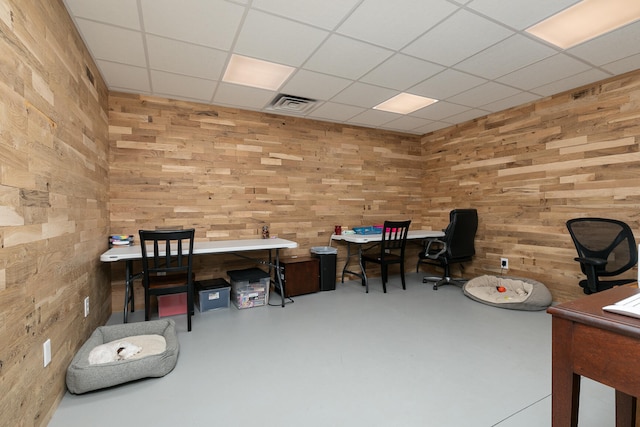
[(345, 358)]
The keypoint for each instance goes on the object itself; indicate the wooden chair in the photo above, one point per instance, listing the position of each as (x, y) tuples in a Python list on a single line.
[(392, 246), (167, 269)]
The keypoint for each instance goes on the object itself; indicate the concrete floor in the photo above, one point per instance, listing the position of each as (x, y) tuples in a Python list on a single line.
[(345, 358)]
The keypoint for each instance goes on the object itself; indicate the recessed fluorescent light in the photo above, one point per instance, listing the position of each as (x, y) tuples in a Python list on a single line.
[(256, 73), (404, 103), (586, 20)]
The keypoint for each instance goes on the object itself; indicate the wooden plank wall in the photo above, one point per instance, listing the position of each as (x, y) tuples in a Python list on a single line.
[(530, 169), (53, 204), (228, 172)]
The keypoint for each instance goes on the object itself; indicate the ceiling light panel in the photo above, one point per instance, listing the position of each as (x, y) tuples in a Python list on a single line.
[(586, 20), (252, 72), (405, 103)]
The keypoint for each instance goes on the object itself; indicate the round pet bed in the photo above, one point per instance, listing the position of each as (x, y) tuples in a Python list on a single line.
[(518, 293), (83, 376)]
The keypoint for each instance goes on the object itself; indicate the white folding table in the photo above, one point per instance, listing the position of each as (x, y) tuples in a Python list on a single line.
[(363, 239), (234, 247)]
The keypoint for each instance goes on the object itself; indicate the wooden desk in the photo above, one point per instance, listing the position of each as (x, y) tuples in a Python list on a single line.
[(235, 247), (587, 341)]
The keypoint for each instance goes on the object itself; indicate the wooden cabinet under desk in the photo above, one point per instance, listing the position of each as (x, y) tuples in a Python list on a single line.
[(300, 275)]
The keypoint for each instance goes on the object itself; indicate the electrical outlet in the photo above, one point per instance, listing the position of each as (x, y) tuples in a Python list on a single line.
[(504, 263), (86, 306), (46, 351)]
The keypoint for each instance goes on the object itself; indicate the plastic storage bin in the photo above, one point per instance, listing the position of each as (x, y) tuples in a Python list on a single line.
[(212, 294), (328, 257), (171, 305), (250, 287)]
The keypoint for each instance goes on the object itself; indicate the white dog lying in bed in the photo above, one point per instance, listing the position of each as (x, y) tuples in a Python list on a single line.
[(112, 352)]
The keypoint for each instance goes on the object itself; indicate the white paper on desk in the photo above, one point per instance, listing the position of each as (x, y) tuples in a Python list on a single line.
[(629, 306)]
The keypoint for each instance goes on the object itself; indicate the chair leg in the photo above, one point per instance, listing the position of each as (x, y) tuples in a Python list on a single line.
[(404, 286), (147, 305), (189, 307), (384, 277)]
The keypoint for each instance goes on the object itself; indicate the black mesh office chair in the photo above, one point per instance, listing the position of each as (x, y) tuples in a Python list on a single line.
[(457, 246), (606, 248), (168, 269), (392, 246)]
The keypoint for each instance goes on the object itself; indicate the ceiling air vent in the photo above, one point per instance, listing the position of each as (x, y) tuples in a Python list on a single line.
[(291, 104)]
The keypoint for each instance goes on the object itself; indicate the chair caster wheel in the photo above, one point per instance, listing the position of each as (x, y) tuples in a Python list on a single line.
[(435, 287), (424, 280)]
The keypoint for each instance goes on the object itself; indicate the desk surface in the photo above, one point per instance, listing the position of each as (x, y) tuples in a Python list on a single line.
[(588, 310), (201, 248), (366, 238)]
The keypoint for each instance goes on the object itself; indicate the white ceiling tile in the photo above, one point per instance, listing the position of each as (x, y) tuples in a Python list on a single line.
[(446, 84), (239, 96), (406, 123), (334, 111), (185, 58), (346, 58), (512, 101), (400, 72), (393, 24), (432, 127), (363, 95), (125, 76), (321, 13), (439, 111), (111, 43), (520, 14), (373, 118), (483, 94), (572, 82), (457, 38), (212, 23), (506, 57), (123, 13), (277, 39), (314, 85), (554, 68), (625, 65), (176, 85), (471, 114), (610, 47)]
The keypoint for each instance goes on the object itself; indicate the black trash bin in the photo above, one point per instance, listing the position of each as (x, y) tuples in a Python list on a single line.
[(327, 257)]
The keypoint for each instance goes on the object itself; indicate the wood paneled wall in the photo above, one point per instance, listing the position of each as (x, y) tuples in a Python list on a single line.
[(53, 204), (228, 172), (529, 169)]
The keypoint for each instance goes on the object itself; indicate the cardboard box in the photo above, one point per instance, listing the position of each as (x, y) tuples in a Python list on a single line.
[(250, 287), (171, 305), (212, 294)]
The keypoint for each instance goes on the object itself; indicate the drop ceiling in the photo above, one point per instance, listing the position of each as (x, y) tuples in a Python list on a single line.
[(472, 55)]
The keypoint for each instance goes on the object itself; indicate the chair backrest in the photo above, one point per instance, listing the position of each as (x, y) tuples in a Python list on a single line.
[(460, 234), (171, 251), (394, 237), (607, 239)]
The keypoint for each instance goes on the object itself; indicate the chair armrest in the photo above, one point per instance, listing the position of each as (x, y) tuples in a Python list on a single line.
[(597, 262), (435, 255)]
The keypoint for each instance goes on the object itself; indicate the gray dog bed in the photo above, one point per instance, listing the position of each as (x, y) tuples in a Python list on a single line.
[(83, 376), (519, 294)]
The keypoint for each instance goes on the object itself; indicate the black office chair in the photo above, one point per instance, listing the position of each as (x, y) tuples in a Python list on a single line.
[(606, 248), (392, 246), (457, 246), (168, 269)]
